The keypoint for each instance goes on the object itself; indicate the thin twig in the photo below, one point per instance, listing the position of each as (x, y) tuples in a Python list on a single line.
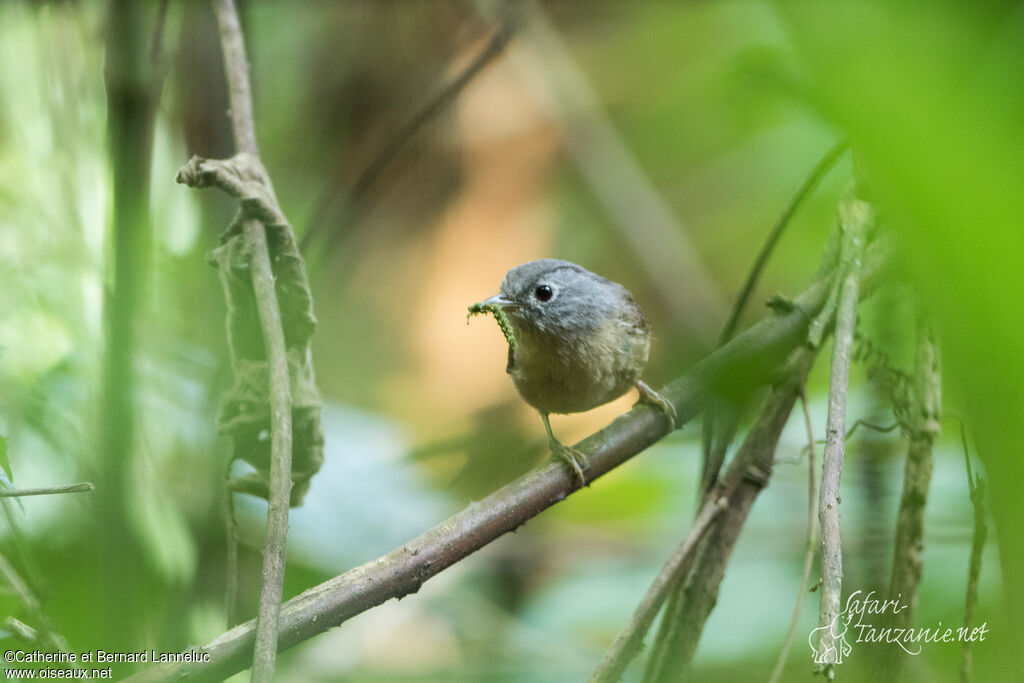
[(427, 113), (280, 456), (976, 487), (881, 429), (236, 68), (46, 491), (628, 643), (240, 95), (849, 433), (854, 217), (812, 538), (21, 629), (806, 187), (402, 571)]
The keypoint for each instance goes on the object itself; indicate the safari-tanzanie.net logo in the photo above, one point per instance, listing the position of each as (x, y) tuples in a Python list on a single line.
[(865, 620)]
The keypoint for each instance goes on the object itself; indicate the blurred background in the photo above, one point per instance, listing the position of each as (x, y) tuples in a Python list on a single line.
[(654, 143)]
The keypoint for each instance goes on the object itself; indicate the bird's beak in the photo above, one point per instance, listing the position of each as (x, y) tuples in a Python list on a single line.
[(500, 301)]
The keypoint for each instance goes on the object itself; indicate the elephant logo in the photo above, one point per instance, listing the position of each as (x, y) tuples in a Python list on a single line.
[(829, 644)]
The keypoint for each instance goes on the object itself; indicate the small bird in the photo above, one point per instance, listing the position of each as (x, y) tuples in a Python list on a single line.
[(581, 341)]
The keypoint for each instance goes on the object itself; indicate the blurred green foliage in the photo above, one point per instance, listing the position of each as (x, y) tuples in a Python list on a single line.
[(726, 106)]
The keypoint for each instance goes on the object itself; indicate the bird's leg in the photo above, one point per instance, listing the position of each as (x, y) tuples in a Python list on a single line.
[(648, 395), (576, 459)]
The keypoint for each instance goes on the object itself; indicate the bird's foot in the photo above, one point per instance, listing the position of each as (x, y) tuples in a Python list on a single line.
[(648, 395), (576, 459)]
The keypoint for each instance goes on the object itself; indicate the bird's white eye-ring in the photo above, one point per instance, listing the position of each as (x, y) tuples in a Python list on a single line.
[(543, 293)]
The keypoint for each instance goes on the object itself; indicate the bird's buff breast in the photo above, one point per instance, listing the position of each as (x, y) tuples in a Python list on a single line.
[(570, 375)]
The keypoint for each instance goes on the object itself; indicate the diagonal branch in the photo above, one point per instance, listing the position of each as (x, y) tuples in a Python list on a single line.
[(628, 643), (753, 356), (816, 175)]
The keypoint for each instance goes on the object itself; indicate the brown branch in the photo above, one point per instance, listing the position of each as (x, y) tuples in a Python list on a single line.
[(628, 643), (753, 356), (280, 456), (236, 68), (855, 215)]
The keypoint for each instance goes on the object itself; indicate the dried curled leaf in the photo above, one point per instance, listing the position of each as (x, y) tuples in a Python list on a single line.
[(245, 410), (499, 316)]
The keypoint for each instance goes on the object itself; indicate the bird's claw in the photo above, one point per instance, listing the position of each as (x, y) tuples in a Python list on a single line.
[(576, 459), (648, 395)]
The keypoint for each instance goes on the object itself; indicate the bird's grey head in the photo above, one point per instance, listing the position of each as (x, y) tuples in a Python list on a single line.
[(558, 297)]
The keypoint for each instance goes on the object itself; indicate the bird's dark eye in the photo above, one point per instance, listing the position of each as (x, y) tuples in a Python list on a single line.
[(543, 293)]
